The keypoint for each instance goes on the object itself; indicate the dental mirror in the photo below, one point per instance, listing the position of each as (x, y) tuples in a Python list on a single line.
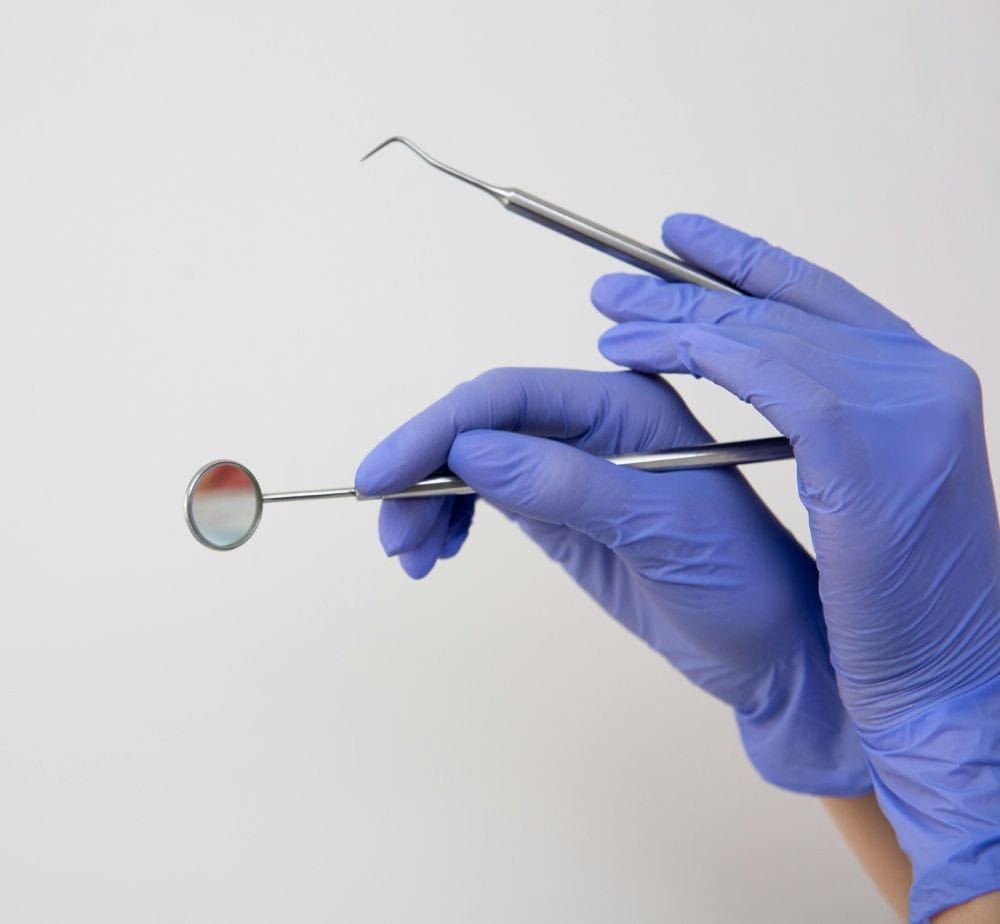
[(223, 503)]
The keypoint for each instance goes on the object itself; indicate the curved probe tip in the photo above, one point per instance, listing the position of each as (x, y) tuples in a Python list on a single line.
[(388, 141), (497, 192)]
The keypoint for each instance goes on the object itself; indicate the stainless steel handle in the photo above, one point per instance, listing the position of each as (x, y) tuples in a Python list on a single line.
[(713, 455), (610, 242)]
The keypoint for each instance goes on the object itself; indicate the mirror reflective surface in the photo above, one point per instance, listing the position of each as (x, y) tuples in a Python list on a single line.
[(223, 505)]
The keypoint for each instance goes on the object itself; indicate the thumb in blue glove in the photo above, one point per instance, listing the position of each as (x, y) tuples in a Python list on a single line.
[(691, 562)]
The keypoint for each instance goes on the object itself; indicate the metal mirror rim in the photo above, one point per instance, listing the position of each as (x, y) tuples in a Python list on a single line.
[(189, 499)]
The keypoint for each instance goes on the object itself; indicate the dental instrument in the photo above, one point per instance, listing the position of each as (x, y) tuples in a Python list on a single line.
[(223, 502), (575, 226)]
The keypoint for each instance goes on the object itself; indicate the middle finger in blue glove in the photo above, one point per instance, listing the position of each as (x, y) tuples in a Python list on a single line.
[(601, 412), (404, 524), (418, 562), (627, 298), (421, 531), (443, 540)]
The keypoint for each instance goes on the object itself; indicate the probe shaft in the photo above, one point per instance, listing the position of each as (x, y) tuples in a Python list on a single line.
[(576, 226)]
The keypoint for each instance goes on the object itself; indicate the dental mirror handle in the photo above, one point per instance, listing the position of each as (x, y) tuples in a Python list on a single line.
[(691, 457), (712, 455)]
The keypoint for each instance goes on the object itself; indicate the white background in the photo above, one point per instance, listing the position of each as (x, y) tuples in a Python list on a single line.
[(193, 264)]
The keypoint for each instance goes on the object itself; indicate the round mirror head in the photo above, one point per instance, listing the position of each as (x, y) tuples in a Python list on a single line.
[(223, 505)]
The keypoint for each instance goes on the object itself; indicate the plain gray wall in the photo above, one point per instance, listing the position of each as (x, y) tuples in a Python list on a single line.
[(193, 264)]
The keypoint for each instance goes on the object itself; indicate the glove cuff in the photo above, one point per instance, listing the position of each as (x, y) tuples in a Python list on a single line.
[(802, 738), (937, 779)]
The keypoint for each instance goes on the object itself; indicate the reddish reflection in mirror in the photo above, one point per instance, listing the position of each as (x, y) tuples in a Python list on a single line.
[(224, 505)]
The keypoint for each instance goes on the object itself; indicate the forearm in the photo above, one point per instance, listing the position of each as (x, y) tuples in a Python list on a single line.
[(873, 842), (984, 909)]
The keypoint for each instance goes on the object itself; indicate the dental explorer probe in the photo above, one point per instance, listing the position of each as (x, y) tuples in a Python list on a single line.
[(576, 226)]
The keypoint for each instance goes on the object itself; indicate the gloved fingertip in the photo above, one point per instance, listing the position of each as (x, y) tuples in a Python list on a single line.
[(682, 226), (404, 524), (454, 543), (417, 564), (391, 545), (608, 347), (637, 345), (458, 528), (373, 474), (418, 560), (608, 289), (613, 339), (628, 296)]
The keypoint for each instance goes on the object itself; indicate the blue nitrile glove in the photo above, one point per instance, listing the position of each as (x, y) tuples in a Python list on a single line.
[(892, 468), (692, 562)]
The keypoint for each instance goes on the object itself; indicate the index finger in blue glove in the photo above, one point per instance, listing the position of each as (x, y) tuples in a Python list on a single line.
[(765, 271), (605, 413)]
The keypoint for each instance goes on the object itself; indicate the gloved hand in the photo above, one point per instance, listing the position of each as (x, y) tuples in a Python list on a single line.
[(692, 562), (892, 468)]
